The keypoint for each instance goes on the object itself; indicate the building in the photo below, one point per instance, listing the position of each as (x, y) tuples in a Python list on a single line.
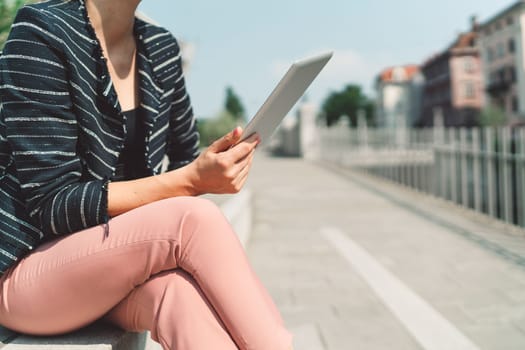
[(398, 96), (501, 44), (187, 52), (453, 90)]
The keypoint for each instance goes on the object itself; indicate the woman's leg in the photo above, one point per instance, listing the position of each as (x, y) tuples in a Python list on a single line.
[(70, 282), (174, 308)]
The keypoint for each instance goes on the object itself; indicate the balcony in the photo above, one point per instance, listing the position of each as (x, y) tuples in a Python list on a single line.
[(498, 87)]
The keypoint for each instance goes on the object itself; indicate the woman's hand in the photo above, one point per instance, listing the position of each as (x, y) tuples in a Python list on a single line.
[(224, 166)]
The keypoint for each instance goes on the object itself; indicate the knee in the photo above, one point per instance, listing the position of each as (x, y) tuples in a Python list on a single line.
[(188, 220), (195, 214), (198, 210)]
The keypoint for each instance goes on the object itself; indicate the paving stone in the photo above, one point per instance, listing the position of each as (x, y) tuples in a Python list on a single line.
[(497, 337), (514, 295), (307, 337)]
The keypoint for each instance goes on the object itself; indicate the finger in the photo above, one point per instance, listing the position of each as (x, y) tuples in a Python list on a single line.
[(238, 168), (241, 150), (245, 165), (239, 157), (242, 163), (243, 175), (226, 141)]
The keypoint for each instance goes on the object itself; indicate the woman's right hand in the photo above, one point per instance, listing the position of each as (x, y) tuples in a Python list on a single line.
[(224, 166)]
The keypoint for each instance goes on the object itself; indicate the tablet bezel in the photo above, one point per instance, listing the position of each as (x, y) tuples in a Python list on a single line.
[(285, 95)]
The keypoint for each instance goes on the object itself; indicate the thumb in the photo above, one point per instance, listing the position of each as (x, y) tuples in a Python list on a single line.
[(226, 141)]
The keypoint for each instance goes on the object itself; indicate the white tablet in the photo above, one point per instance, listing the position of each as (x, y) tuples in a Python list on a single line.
[(291, 87)]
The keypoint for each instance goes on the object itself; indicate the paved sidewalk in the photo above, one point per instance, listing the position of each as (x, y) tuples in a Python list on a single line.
[(355, 263)]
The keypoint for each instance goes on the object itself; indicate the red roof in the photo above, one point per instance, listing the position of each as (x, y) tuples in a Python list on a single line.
[(465, 40), (409, 71)]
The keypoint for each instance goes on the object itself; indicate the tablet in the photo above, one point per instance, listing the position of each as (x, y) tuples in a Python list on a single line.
[(291, 87)]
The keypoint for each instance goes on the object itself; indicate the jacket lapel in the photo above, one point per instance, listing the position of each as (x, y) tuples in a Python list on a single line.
[(150, 90)]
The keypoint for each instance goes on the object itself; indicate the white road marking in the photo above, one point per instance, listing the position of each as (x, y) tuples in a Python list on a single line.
[(431, 330)]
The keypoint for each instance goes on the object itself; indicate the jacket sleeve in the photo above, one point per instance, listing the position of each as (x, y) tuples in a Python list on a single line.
[(183, 144), (42, 129)]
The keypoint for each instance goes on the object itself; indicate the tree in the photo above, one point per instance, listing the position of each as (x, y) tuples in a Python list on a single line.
[(212, 129), (492, 116), (347, 102), (233, 105), (8, 9)]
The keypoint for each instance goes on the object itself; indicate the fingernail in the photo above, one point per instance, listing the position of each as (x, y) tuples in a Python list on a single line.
[(236, 131)]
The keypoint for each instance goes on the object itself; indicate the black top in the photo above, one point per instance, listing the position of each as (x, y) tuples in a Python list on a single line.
[(132, 160)]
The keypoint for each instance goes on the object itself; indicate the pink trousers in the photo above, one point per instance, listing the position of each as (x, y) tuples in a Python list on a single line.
[(174, 267)]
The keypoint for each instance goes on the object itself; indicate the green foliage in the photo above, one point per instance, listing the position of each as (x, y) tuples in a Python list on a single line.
[(492, 116), (213, 129), (347, 102), (233, 105), (232, 116), (8, 9)]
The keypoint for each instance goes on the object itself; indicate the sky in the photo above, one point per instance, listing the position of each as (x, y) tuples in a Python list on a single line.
[(248, 45)]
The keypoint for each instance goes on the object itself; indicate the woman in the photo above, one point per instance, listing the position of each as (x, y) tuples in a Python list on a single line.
[(92, 100)]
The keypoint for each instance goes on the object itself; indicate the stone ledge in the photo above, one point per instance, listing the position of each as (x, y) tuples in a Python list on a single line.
[(238, 210), (102, 336), (98, 336)]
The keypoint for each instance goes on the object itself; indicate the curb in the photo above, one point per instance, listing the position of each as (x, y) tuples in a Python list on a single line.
[(238, 211)]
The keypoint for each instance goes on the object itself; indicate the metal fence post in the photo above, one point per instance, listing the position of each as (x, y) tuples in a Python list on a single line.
[(430, 176), (453, 169), (437, 142), (445, 166), (491, 186), (520, 175), (506, 197), (476, 147), (463, 153), (411, 145)]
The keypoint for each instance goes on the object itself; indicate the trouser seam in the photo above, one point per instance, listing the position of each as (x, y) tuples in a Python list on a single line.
[(82, 259)]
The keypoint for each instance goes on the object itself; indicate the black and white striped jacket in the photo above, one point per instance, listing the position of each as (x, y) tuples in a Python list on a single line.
[(61, 126)]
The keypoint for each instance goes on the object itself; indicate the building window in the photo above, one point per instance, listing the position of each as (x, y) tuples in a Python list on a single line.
[(469, 64), (488, 31), (498, 26), (470, 90), (501, 75), (492, 77), (490, 54), (495, 77), (515, 104), (512, 46), (513, 75), (510, 21), (500, 50)]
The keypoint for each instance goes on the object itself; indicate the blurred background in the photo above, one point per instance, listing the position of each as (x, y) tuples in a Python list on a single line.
[(388, 212)]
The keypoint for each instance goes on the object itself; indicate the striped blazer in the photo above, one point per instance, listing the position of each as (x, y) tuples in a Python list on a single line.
[(62, 128)]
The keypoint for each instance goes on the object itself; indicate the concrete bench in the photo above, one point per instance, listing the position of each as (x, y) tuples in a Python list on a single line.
[(102, 336), (98, 336)]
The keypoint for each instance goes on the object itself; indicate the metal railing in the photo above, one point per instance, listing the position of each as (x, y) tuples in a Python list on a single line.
[(478, 168)]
